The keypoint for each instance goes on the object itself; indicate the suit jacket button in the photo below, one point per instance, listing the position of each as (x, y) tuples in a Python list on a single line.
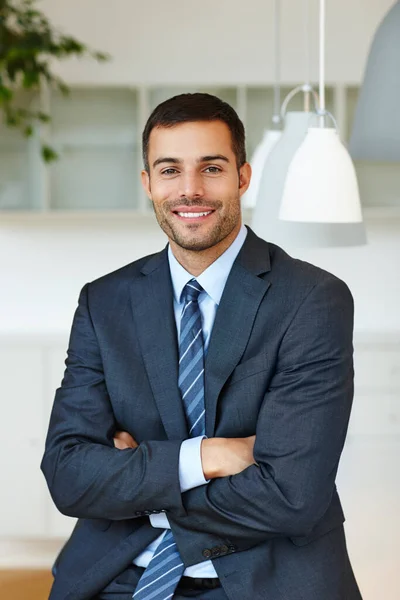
[(207, 553), (224, 549), (154, 512), (147, 512), (232, 548), (216, 551)]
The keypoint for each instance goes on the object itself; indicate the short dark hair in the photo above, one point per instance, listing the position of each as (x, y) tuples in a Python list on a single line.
[(199, 106)]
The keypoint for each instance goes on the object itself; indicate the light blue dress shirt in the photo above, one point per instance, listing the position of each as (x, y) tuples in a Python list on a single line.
[(213, 281)]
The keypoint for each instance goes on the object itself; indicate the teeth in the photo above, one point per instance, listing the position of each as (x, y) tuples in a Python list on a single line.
[(194, 215)]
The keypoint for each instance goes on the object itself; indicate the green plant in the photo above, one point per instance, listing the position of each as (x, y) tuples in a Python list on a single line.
[(28, 43)]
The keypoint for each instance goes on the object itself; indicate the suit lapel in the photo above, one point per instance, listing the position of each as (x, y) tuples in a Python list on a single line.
[(152, 307), (243, 293)]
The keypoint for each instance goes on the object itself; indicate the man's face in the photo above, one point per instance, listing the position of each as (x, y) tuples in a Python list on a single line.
[(194, 183)]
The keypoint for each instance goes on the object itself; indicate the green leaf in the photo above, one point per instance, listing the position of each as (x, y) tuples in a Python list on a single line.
[(43, 117), (48, 154), (30, 79), (102, 56), (11, 120), (5, 93), (64, 89), (28, 131), (28, 43)]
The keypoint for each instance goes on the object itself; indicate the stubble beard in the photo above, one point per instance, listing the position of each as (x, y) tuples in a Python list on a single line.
[(187, 238)]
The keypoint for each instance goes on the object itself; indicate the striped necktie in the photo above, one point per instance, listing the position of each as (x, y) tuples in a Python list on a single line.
[(165, 569)]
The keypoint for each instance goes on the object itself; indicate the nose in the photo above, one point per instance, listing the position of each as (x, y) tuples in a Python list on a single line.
[(191, 185)]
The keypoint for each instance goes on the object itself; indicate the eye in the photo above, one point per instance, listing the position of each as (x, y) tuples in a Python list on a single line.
[(169, 171), (213, 169)]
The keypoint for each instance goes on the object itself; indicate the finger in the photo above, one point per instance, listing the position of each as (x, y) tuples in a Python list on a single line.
[(125, 437), (132, 441), (120, 444), (128, 439)]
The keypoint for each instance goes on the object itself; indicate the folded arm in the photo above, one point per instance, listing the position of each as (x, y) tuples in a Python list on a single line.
[(300, 435), (87, 476)]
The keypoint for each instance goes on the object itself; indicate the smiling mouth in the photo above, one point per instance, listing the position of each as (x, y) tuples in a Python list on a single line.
[(192, 215)]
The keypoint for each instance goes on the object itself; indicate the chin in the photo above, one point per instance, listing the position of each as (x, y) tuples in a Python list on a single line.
[(196, 247), (199, 244), (197, 240)]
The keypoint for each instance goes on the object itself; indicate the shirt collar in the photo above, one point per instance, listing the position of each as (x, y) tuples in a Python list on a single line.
[(213, 279)]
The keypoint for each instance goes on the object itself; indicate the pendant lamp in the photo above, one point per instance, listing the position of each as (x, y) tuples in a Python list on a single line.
[(271, 136), (376, 130), (265, 219), (258, 160), (321, 184)]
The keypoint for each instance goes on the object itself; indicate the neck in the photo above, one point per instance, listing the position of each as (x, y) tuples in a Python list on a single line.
[(197, 261)]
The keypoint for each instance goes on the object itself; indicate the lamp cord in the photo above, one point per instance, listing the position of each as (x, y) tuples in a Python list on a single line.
[(319, 100), (307, 52), (322, 107), (276, 118)]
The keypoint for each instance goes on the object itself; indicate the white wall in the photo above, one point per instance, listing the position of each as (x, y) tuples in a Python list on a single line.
[(44, 264), (214, 42), (372, 272)]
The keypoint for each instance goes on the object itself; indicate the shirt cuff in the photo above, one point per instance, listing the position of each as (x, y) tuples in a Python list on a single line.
[(190, 467), (159, 520)]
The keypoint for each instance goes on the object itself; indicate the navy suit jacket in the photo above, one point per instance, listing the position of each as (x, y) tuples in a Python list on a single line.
[(279, 365)]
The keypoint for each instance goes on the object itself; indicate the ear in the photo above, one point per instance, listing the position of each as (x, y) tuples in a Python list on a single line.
[(146, 183), (244, 178)]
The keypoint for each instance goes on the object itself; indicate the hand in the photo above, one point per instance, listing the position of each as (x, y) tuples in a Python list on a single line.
[(123, 440), (222, 457)]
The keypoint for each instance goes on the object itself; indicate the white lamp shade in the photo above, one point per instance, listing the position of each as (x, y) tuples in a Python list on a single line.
[(321, 184), (265, 219), (376, 129), (257, 162)]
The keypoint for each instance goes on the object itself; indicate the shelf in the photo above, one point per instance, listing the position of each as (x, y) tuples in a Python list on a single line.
[(97, 132), (75, 215), (83, 179), (370, 214), (94, 116)]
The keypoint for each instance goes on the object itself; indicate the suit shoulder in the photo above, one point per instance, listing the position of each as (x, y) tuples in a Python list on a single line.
[(302, 275)]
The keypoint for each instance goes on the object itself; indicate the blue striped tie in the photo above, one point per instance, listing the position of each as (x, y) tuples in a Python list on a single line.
[(165, 569)]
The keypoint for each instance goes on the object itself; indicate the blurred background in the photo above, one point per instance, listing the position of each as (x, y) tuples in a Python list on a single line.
[(67, 221)]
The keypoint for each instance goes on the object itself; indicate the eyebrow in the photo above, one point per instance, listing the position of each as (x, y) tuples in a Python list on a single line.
[(213, 157), (177, 161)]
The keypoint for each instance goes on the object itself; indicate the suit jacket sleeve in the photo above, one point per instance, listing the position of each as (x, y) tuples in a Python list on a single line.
[(88, 477), (301, 430)]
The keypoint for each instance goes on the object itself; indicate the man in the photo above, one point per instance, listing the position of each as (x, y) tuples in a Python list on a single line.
[(198, 428)]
